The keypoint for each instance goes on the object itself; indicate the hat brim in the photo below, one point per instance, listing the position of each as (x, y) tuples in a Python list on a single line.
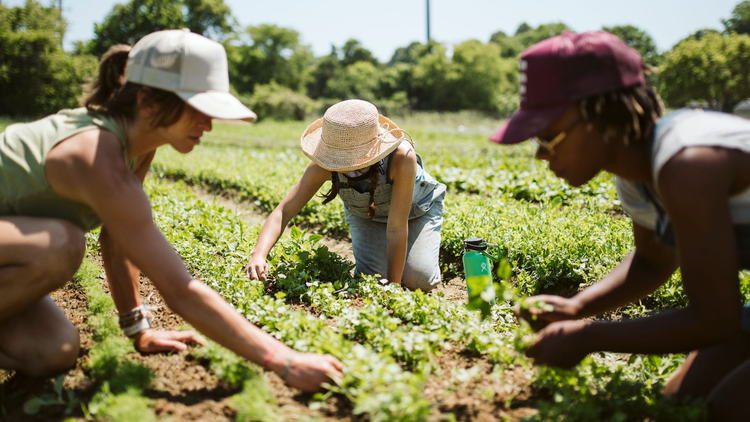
[(343, 160), (219, 105), (526, 124)]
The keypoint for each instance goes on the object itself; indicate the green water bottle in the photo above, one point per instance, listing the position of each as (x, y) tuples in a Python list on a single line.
[(478, 269)]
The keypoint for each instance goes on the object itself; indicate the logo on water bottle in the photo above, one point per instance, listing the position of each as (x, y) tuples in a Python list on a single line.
[(484, 266)]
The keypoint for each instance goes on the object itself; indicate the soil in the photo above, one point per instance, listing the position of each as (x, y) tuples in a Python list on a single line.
[(467, 387)]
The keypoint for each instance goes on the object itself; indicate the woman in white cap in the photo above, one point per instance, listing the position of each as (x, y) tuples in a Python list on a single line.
[(393, 207), (76, 170)]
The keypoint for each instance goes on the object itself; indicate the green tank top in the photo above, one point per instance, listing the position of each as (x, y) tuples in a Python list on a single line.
[(23, 152)]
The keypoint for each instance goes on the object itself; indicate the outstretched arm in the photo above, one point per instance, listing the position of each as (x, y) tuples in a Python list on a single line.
[(96, 175), (301, 193), (637, 276)]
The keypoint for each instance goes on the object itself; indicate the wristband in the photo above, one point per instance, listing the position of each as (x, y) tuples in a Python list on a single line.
[(270, 354), (288, 365), (137, 320), (142, 325)]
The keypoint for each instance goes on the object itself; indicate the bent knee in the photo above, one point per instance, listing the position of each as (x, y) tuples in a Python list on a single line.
[(423, 282), (54, 356), (60, 260)]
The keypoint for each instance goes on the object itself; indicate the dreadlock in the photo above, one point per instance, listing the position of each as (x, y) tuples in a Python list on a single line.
[(631, 112)]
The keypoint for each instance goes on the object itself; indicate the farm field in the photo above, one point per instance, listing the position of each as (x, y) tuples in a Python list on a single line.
[(409, 356)]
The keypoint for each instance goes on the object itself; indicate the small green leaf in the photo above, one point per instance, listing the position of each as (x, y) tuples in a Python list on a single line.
[(504, 270), (33, 406), (59, 382)]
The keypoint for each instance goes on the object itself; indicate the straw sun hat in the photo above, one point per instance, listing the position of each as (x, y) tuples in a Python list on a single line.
[(350, 136)]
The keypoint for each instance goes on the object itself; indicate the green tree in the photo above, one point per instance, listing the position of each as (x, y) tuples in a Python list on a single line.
[(409, 54), (321, 72), (479, 76), (739, 22), (530, 37), (129, 22), (353, 52), (509, 46), (712, 70), (273, 54), (431, 74), (36, 75), (359, 80), (639, 40), (525, 37), (211, 18)]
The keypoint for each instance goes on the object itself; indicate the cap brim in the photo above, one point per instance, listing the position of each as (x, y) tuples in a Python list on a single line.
[(219, 105), (526, 124)]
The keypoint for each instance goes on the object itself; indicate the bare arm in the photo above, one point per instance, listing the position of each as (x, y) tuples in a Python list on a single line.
[(403, 173), (301, 193), (92, 171), (695, 188), (122, 277), (637, 276)]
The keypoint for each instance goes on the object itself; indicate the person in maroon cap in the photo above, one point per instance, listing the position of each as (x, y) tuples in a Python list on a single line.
[(685, 181)]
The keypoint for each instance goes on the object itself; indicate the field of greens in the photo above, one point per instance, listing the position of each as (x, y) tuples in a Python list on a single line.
[(409, 356)]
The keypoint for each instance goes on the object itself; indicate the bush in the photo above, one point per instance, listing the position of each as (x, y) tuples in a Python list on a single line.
[(278, 102), (36, 76)]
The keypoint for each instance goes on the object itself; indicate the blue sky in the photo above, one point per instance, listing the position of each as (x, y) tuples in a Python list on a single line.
[(384, 25)]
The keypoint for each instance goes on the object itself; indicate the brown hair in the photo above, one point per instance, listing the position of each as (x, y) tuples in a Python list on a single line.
[(110, 94), (630, 113), (375, 179)]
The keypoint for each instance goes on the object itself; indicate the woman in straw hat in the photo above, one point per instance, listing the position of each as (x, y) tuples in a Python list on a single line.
[(685, 181), (393, 207), (76, 170)]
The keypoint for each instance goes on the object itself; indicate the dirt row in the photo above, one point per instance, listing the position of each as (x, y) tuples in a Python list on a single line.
[(184, 389)]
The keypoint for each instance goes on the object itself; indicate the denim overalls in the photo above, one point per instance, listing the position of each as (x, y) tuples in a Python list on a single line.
[(369, 240)]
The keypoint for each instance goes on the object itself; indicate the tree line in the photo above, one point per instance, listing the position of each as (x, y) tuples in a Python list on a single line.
[(278, 76)]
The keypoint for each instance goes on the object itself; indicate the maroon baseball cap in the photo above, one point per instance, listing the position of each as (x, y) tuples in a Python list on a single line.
[(561, 70)]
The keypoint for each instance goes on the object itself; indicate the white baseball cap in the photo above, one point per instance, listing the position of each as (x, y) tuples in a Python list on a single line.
[(190, 65)]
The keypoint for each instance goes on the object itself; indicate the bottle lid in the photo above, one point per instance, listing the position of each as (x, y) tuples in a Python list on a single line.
[(475, 244)]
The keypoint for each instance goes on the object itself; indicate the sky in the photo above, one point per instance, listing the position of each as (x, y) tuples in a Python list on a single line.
[(384, 25)]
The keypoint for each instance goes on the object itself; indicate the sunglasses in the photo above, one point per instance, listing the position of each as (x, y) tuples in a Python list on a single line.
[(550, 145)]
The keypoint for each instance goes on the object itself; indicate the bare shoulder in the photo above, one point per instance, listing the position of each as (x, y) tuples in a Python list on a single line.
[(89, 149), (316, 174), (404, 162), (695, 170), (90, 160), (405, 155)]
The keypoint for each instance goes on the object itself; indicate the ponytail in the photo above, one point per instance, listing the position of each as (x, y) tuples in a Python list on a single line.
[(110, 79)]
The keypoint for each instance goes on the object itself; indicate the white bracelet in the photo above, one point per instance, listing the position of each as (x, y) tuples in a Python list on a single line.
[(142, 325)]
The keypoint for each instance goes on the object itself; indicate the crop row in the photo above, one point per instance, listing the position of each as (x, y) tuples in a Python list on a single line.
[(552, 246), (215, 245)]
